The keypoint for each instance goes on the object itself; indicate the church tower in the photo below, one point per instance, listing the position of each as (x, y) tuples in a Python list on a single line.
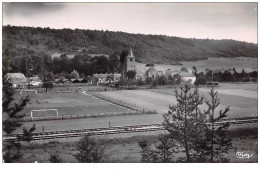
[(130, 62)]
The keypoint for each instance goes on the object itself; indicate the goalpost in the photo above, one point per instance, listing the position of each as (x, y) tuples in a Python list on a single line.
[(56, 113), (27, 90)]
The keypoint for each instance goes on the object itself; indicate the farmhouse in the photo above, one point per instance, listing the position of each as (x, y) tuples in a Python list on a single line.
[(81, 80), (187, 77), (170, 72), (35, 81), (104, 78), (98, 55), (17, 79), (152, 72)]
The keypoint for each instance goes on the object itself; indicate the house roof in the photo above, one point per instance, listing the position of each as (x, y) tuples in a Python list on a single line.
[(117, 75), (34, 78), (131, 52), (98, 55), (186, 74), (168, 72), (101, 75), (15, 75), (151, 69)]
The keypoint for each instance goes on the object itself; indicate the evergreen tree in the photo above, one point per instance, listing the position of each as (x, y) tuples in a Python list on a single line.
[(160, 152), (148, 154), (89, 150), (184, 121), (215, 144), (12, 119)]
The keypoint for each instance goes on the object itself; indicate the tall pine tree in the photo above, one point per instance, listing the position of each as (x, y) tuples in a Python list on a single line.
[(12, 118), (215, 144), (184, 121)]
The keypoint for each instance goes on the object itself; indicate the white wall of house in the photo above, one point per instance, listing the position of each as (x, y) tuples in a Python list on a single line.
[(189, 79)]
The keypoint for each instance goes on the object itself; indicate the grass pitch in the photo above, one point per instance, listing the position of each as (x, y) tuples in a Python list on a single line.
[(69, 103)]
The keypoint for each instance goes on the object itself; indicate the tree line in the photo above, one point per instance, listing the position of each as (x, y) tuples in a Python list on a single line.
[(149, 48), (224, 76)]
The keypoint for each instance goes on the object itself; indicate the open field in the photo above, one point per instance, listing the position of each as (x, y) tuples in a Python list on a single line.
[(70, 103), (239, 63), (126, 149), (241, 99), (158, 99), (248, 64)]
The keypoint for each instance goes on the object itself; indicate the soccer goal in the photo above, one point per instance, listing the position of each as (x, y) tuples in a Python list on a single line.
[(44, 113), (27, 91)]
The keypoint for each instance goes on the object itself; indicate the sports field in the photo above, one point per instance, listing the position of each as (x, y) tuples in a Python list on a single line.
[(69, 103), (241, 99)]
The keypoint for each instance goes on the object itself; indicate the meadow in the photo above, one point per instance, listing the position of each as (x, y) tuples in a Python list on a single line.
[(69, 103), (125, 149), (248, 64), (242, 99)]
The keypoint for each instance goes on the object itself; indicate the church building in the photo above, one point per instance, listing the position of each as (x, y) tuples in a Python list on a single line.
[(129, 62)]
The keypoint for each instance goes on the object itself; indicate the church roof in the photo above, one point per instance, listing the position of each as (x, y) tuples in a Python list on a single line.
[(131, 52)]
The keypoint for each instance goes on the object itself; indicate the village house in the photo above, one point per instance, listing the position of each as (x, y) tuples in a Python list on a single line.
[(104, 78), (188, 77), (17, 79), (35, 81), (152, 72)]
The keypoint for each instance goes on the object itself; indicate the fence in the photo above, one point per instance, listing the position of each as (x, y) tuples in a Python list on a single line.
[(82, 116), (134, 107)]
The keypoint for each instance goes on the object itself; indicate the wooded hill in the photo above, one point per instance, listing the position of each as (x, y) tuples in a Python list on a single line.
[(18, 41)]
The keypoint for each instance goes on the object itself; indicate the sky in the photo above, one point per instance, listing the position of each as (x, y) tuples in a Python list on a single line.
[(237, 21)]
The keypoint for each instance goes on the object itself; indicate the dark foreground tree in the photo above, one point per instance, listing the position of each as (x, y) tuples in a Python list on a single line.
[(184, 121), (215, 144), (160, 152), (196, 132), (12, 120), (89, 151)]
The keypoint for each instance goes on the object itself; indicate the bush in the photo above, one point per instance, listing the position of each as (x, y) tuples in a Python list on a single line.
[(202, 80), (88, 150), (162, 80), (55, 158), (155, 83), (148, 80), (140, 82)]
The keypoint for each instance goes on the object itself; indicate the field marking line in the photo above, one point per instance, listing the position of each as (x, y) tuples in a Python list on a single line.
[(85, 93)]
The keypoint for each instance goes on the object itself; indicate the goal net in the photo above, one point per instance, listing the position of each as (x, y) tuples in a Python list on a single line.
[(28, 92), (44, 113)]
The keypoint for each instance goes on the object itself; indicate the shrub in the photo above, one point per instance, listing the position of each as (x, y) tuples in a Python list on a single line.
[(88, 150), (148, 80), (202, 80), (162, 80), (55, 158)]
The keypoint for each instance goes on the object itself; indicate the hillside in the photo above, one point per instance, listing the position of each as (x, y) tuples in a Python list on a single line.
[(18, 41)]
